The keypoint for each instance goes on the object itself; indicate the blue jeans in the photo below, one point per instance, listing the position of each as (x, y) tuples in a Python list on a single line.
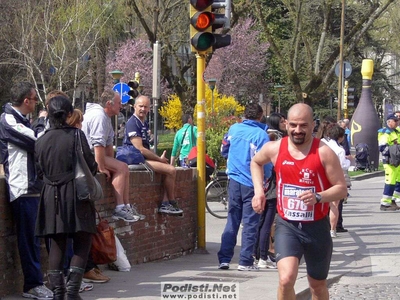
[(24, 213), (240, 210)]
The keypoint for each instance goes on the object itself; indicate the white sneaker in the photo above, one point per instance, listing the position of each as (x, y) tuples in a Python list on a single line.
[(134, 212), (248, 268), (333, 234), (266, 264), (40, 292), (223, 266), (169, 209), (124, 214)]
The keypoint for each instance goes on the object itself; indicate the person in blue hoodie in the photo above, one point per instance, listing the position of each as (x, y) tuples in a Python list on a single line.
[(241, 143)]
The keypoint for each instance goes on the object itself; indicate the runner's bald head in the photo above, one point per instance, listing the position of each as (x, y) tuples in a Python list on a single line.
[(301, 110)]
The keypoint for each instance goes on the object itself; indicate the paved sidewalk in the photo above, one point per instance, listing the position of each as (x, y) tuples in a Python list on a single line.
[(365, 262)]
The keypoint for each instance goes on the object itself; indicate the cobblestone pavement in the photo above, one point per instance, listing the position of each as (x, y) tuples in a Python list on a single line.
[(368, 291)]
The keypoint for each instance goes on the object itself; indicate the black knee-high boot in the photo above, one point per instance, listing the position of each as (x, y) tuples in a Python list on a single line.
[(57, 282), (74, 283)]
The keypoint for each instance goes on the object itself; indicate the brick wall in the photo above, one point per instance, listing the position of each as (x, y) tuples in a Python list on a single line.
[(156, 237)]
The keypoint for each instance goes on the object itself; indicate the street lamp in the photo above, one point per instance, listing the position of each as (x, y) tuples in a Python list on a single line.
[(116, 75), (211, 84), (331, 94), (279, 88)]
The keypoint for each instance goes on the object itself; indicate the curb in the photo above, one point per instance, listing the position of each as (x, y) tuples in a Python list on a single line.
[(368, 175)]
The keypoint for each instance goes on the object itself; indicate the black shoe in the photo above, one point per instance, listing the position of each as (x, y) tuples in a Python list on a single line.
[(341, 229), (388, 208)]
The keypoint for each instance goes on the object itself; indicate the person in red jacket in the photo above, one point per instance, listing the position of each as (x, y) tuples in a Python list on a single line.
[(309, 176)]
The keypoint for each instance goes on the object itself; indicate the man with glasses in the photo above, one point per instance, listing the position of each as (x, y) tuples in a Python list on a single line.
[(17, 146), (388, 138)]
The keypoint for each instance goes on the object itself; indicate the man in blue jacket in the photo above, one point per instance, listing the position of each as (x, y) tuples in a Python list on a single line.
[(242, 141), (17, 146)]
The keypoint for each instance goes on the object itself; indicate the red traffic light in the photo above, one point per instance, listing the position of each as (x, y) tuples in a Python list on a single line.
[(201, 4), (202, 20)]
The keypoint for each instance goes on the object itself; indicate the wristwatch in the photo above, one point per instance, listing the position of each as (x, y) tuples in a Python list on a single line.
[(318, 197)]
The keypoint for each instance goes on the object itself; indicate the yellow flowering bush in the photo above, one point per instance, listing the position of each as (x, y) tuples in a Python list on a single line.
[(171, 111), (227, 111)]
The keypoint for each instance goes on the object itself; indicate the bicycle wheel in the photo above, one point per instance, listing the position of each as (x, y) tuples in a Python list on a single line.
[(217, 198)]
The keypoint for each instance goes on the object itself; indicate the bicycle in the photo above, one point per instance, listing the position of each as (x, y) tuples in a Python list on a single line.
[(217, 198)]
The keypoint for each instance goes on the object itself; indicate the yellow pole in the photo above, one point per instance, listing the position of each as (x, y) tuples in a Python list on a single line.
[(201, 152), (340, 81)]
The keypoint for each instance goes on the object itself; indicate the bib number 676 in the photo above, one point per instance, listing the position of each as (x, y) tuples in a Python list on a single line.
[(296, 204)]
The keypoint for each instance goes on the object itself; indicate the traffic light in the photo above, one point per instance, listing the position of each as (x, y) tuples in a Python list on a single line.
[(345, 95), (203, 23), (133, 93), (350, 94)]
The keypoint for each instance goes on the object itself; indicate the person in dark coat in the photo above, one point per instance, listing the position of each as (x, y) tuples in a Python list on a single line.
[(60, 214)]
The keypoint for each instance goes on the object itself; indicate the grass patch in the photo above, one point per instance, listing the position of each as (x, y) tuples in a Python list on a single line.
[(355, 173), (359, 172), (166, 140)]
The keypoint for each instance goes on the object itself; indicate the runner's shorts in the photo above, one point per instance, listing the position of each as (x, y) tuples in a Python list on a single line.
[(311, 239)]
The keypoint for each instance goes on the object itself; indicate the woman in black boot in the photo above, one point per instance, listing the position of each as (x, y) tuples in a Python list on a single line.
[(61, 215)]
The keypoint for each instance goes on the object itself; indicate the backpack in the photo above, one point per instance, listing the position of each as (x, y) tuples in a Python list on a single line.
[(394, 155), (192, 161)]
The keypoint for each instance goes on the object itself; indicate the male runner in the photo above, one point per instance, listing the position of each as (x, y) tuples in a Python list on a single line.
[(309, 176)]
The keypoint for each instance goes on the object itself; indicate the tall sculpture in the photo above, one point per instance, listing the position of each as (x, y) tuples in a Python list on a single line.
[(365, 122)]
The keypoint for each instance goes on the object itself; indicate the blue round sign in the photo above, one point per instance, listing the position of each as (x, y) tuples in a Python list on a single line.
[(122, 89)]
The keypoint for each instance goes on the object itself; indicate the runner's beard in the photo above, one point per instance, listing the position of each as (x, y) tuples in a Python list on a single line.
[(298, 139)]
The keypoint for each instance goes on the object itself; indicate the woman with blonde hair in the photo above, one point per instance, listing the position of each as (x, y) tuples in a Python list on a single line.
[(76, 119)]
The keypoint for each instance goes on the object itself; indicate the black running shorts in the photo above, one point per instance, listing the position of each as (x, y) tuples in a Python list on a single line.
[(311, 239)]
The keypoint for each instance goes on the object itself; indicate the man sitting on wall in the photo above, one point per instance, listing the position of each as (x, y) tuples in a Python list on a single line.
[(137, 129)]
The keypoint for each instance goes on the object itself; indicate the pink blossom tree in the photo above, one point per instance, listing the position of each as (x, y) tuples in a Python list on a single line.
[(241, 67), (135, 56)]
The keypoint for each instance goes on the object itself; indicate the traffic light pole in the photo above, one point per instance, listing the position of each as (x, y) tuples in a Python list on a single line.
[(201, 162), (340, 83)]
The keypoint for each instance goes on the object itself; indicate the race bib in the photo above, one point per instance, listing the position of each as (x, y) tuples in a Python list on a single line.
[(294, 208)]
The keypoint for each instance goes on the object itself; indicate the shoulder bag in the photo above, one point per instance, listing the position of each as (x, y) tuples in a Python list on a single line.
[(88, 187), (104, 250)]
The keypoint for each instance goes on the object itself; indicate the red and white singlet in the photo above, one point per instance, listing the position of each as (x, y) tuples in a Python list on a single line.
[(295, 176)]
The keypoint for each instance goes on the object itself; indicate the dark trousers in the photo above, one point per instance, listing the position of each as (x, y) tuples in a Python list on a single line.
[(264, 229), (24, 213), (340, 218)]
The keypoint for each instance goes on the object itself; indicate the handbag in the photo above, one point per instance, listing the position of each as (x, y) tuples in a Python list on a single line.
[(104, 250), (88, 188), (129, 155)]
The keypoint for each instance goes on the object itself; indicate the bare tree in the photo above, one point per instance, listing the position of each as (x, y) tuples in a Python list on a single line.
[(52, 40)]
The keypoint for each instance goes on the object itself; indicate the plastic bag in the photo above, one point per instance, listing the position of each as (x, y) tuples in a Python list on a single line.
[(122, 263)]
